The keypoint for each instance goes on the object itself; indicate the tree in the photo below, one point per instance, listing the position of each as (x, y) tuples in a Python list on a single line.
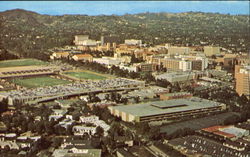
[(99, 131), (40, 127), (24, 126), (49, 127), (107, 97), (137, 99), (115, 128), (4, 105), (143, 127), (134, 59), (213, 57), (231, 120), (86, 109), (106, 115), (154, 133), (76, 116), (176, 87), (57, 106), (148, 77), (113, 96), (163, 83), (124, 101), (31, 127)]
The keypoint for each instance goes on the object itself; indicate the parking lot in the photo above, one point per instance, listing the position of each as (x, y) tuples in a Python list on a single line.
[(72, 88), (200, 145)]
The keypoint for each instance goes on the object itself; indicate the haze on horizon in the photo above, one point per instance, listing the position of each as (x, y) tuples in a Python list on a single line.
[(124, 7)]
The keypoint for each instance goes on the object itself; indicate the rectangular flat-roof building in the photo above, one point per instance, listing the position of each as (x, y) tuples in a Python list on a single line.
[(179, 95), (242, 76), (176, 76), (166, 110), (173, 50), (211, 50)]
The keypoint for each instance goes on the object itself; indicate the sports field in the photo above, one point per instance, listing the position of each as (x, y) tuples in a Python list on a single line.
[(43, 81), (86, 75), (20, 62)]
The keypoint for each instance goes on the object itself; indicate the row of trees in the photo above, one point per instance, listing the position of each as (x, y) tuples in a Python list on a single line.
[(3, 105), (4, 55), (227, 96)]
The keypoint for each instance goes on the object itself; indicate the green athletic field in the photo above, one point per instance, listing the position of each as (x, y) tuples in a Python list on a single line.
[(43, 81), (21, 62), (86, 75)]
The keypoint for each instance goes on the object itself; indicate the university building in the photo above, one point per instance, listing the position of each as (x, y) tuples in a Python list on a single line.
[(242, 76), (169, 110)]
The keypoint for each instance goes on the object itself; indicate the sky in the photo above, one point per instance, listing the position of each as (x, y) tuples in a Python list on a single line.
[(124, 7)]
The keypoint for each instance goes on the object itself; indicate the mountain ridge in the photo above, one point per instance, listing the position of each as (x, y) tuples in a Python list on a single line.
[(25, 31)]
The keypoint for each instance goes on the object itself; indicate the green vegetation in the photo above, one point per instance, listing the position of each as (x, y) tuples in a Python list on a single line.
[(31, 34), (20, 62), (39, 82), (86, 75)]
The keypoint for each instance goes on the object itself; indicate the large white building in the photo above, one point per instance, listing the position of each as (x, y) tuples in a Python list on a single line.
[(185, 65), (175, 50), (166, 110), (192, 62), (89, 119), (176, 76), (129, 68), (93, 120), (107, 61), (82, 129), (133, 42), (80, 38), (83, 40), (88, 42)]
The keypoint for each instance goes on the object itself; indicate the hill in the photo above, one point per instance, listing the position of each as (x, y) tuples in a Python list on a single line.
[(31, 34)]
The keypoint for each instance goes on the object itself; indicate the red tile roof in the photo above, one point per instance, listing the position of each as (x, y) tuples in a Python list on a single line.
[(83, 55), (213, 128), (224, 134)]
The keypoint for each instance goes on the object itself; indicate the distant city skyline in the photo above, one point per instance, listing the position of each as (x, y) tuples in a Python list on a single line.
[(126, 7)]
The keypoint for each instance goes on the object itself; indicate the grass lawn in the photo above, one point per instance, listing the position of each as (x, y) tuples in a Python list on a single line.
[(39, 82), (86, 75), (20, 62)]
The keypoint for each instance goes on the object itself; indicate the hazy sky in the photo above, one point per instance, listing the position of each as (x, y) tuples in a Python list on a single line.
[(123, 7)]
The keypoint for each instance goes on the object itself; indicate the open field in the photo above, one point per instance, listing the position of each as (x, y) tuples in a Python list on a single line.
[(86, 75), (43, 81), (20, 62)]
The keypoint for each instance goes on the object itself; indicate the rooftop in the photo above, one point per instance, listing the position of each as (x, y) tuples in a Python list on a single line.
[(176, 94), (168, 106), (213, 128), (62, 53), (85, 153), (83, 55), (234, 131), (221, 133)]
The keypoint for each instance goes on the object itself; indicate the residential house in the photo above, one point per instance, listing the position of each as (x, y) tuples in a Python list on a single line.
[(83, 129)]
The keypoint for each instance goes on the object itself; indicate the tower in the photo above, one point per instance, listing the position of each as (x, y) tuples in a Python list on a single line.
[(102, 40), (108, 46), (114, 45)]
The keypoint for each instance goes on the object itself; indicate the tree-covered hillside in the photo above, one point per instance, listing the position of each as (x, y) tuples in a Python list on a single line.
[(29, 34)]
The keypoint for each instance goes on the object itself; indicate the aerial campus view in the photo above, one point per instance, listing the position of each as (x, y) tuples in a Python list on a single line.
[(124, 79)]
